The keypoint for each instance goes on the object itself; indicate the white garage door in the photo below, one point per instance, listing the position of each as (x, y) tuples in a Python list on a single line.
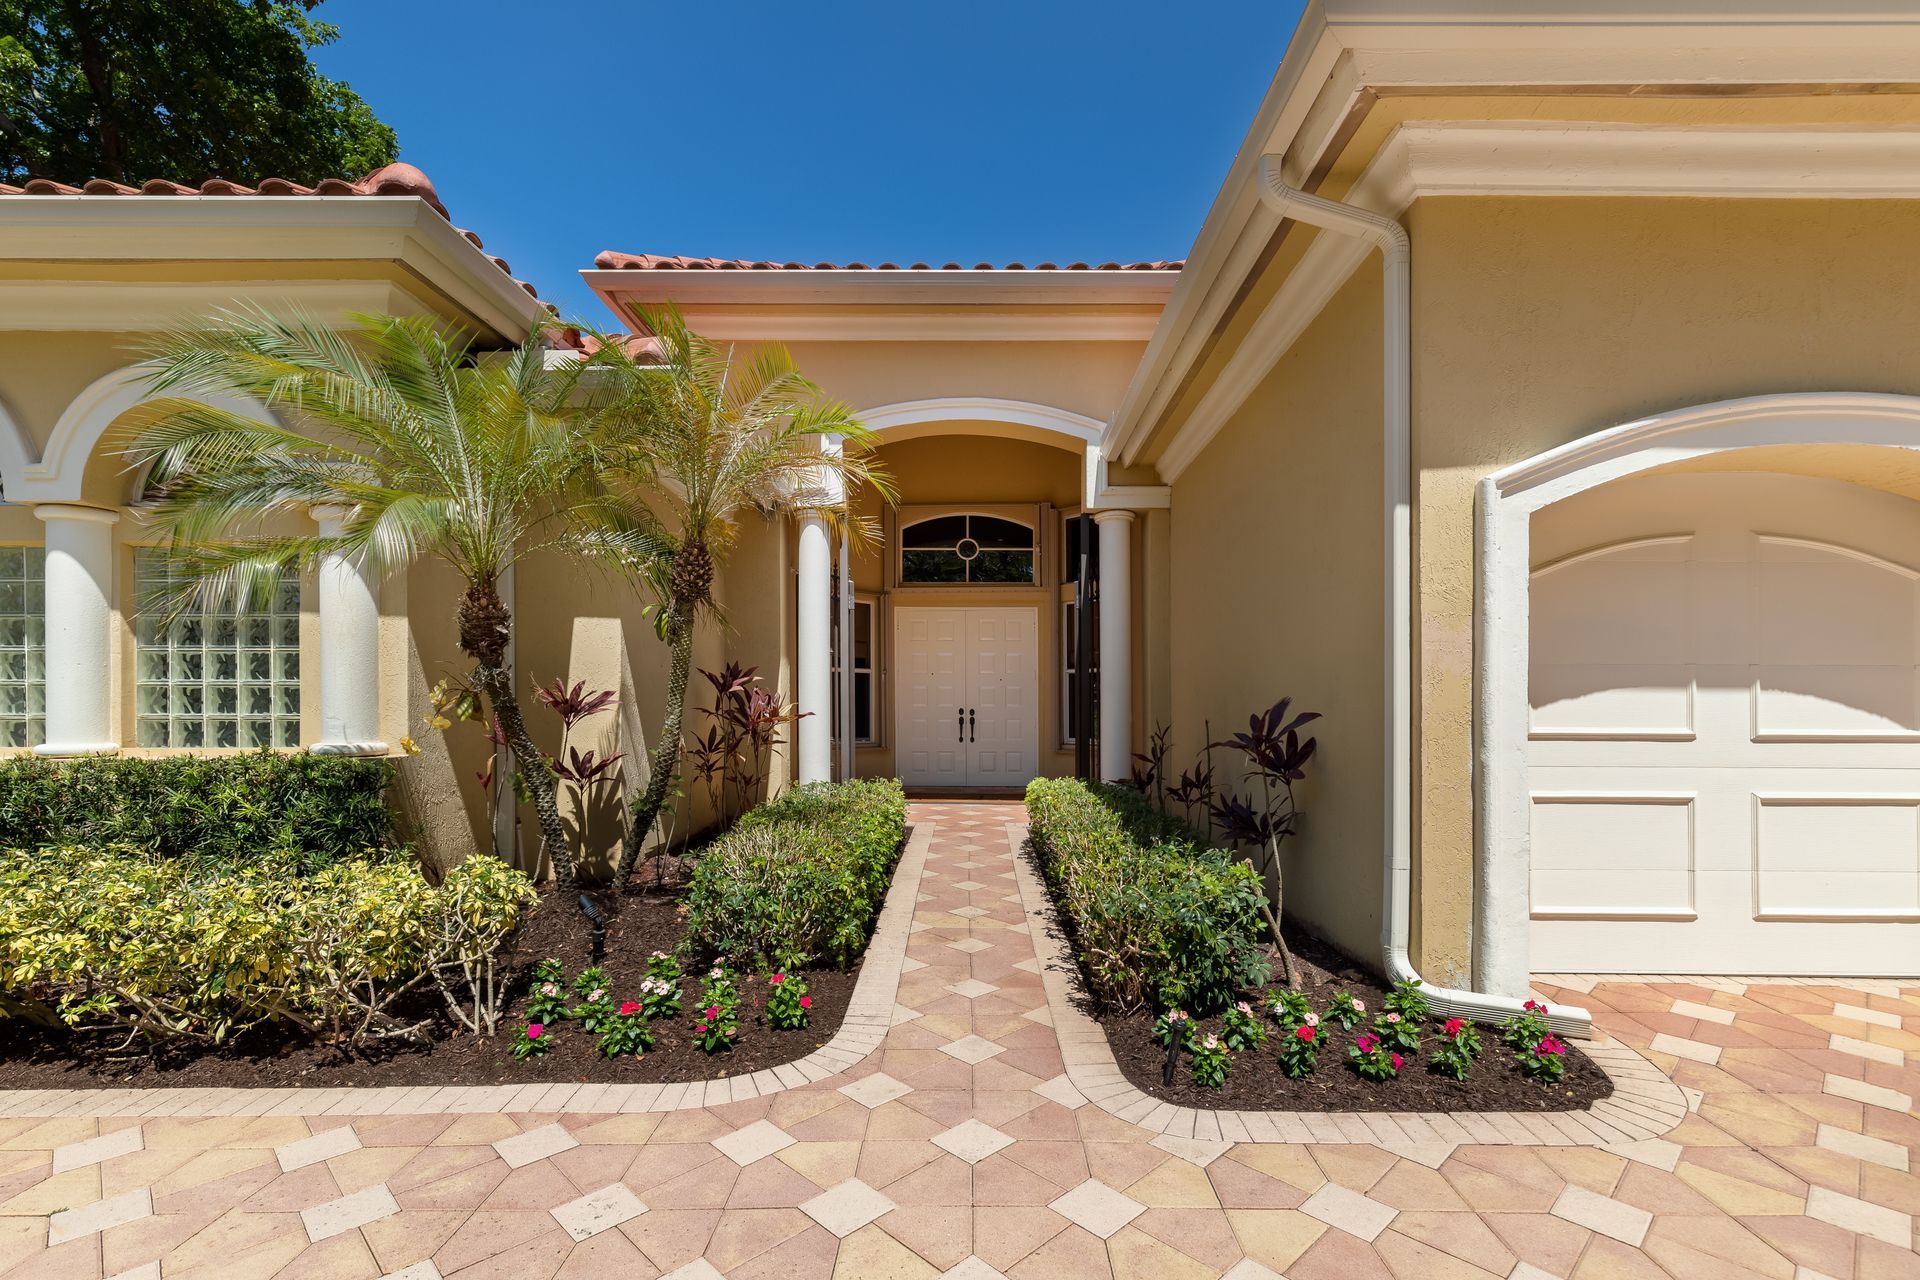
[(1725, 736)]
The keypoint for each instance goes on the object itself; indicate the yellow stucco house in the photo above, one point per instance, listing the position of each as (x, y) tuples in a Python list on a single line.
[(1538, 401)]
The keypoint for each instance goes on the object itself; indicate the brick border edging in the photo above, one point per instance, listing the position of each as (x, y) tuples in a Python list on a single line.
[(1644, 1105), (869, 1016)]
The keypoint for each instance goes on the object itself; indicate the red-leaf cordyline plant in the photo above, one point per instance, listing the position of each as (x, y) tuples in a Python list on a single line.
[(734, 756), (714, 435), (1276, 757), (1150, 769), (435, 450)]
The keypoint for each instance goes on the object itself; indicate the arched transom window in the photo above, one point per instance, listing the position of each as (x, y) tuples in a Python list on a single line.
[(967, 548)]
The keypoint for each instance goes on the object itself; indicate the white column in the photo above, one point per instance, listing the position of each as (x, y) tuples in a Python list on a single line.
[(349, 650), (79, 613), (813, 686), (1116, 643)]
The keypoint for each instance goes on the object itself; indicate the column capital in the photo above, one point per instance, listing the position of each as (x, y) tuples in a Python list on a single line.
[(51, 511), (1113, 515)]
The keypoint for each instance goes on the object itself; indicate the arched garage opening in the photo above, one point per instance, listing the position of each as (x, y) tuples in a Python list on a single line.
[(1698, 720)]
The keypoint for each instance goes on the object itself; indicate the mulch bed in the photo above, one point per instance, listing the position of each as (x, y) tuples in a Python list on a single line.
[(1255, 1081), (33, 1057)]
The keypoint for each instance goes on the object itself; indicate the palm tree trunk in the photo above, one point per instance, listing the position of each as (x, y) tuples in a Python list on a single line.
[(543, 787), (486, 625), (666, 748)]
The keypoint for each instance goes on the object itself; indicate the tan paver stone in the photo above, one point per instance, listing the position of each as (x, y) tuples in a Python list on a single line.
[(1409, 1259), (941, 1234), (1175, 1184), (1336, 1256), (1135, 1255), (1349, 1211), (871, 1252), (1614, 1218), (77, 1155), (1205, 1235), (1610, 1260), (598, 1211), (1073, 1254), (90, 1219), (1003, 1235)]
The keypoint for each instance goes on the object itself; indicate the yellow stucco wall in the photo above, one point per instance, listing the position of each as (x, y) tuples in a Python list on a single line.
[(1538, 321), (1275, 590)]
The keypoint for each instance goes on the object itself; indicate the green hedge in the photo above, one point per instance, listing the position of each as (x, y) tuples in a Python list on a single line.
[(227, 809), (1158, 918), (175, 948), (799, 879)]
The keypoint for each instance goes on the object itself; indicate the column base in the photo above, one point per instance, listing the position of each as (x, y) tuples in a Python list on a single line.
[(65, 750), (348, 749)]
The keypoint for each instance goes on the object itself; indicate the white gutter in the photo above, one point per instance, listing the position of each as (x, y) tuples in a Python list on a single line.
[(1396, 251)]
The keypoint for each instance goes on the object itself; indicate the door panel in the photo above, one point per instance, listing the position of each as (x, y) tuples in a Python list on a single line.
[(929, 694)]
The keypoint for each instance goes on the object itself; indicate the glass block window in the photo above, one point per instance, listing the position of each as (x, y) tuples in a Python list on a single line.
[(217, 678), (23, 654), (967, 549)]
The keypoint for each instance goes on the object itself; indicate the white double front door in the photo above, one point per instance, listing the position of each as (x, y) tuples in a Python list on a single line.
[(967, 697)]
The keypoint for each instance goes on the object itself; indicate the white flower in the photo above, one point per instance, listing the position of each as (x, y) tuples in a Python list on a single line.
[(1393, 1018), (1359, 1006), (1312, 1019), (1244, 1007), (593, 997), (547, 988), (1213, 1041), (717, 974)]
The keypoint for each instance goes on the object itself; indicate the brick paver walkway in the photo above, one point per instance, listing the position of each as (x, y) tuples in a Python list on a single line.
[(960, 1149)]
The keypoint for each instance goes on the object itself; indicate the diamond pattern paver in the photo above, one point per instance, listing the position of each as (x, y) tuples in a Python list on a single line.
[(975, 1143)]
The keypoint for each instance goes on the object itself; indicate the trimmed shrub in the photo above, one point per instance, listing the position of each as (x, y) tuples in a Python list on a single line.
[(227, 810), (174, 948), (1158, 918), (799, 879)]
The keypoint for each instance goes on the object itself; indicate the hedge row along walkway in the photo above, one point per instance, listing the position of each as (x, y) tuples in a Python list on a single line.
[(961, 1148)]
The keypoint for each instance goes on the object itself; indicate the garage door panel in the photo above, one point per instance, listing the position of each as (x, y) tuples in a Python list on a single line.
[(1836, 857), (1612, 700), (1612, 855), (1813, 703)]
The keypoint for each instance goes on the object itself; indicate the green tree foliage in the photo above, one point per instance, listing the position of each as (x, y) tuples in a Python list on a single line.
[(180, 89)]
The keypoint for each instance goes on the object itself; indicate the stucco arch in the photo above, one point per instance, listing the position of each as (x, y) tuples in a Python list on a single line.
[(1507, 501), (16, 454), (1011, 419), (59, 474)]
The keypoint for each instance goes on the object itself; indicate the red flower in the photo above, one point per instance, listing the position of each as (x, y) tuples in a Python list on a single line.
[(777, 979), (535, 1031), (1551, 1046), (1303, 1033), (1397, 1060), (1454, 1025), (806, 1002), (713, 1013), (699, 1026), (630, 1008), (1534, 1006), (1367, 1044)]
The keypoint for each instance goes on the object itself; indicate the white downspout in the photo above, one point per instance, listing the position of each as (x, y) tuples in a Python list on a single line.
[(1396, 252)]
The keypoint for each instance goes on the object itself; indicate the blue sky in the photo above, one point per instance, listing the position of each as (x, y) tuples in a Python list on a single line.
[(1050, 130)]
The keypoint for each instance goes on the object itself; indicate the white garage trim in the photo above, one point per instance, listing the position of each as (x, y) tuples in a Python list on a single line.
[(1506, 503)]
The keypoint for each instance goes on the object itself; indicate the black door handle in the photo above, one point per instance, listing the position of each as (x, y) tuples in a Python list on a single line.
[(969, 724), (960, 724)]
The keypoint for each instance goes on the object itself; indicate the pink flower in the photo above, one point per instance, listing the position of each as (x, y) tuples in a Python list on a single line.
[(594, 996), (777, 979), (1534, 1006), (535, 1031), (629, 1009), (1454, 1025), (1304, 1033), (1551, 1046), (1359, 1006), (1367, 1044), (1213, 1041), (1393, 1019), (699, 1026), (1176, 1016), (1244, 1007), (547, 988), (806, 1002), (1312, 1019), (1397, 1060), (713, 1013)]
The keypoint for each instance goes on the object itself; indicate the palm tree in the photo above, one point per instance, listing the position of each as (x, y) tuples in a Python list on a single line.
[(711, 436), (436, 450)]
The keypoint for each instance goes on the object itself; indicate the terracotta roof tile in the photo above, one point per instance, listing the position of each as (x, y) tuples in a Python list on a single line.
[(390, 180), (642, 348), (610, 260)]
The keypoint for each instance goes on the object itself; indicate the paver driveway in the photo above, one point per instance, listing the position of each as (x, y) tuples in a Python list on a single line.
[(960, 1149)]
